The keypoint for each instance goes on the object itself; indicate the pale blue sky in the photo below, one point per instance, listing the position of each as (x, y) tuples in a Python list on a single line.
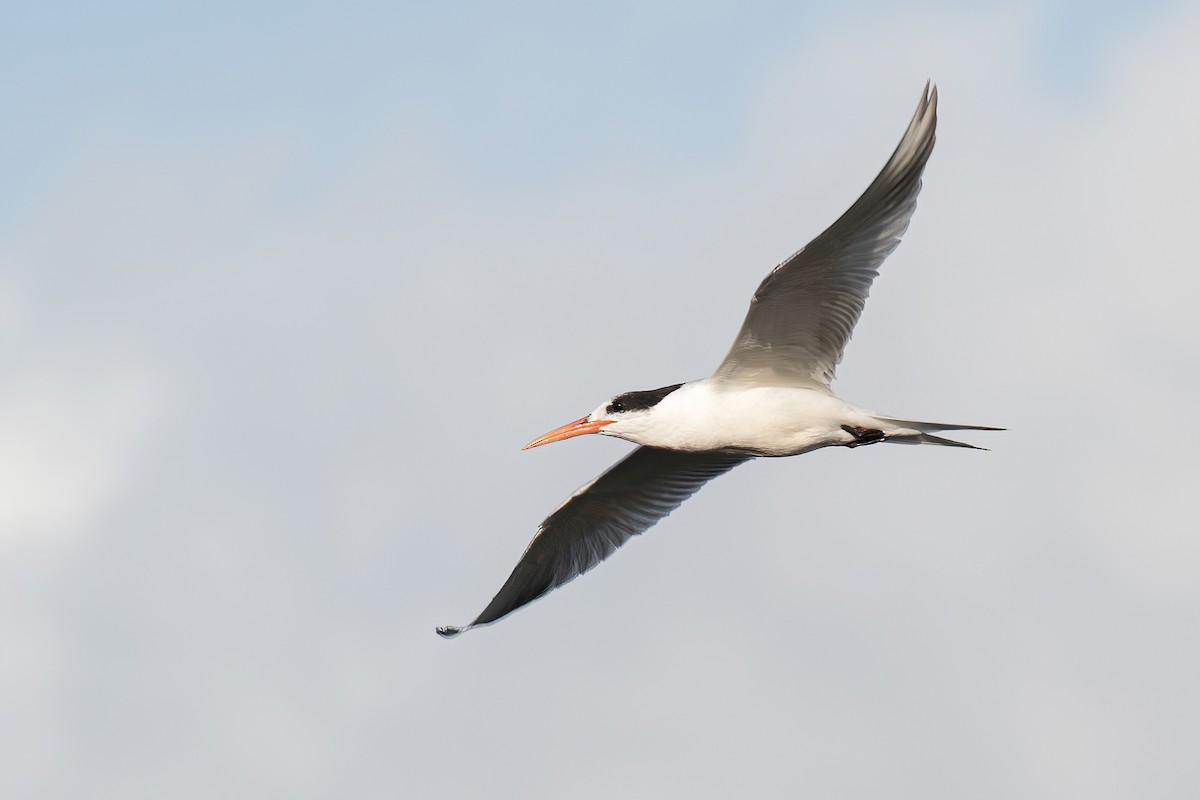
[(553, 82)]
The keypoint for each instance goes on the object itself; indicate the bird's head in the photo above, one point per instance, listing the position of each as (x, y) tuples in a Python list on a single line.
[(624, 416)]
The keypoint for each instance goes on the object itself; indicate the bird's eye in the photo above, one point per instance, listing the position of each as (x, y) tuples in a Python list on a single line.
[(615, 407)]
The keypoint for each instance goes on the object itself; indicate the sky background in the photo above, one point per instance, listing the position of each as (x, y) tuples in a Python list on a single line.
[(284, 287)]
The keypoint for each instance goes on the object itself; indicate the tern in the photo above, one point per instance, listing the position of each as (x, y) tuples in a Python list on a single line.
[(770, 397)]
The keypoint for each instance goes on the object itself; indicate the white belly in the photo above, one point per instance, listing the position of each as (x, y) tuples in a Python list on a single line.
[(766, 421)]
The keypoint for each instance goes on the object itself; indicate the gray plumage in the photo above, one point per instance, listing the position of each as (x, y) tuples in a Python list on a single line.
[(801, 317), (630, 497)]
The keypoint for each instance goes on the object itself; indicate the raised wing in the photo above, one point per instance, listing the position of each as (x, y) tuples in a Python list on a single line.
[(630, 497), (801, 317)]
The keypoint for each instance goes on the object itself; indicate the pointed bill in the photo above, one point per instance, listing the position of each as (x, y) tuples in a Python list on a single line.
[(575, 428)]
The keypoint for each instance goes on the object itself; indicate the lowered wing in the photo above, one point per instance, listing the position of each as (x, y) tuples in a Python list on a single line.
[(629, 498)]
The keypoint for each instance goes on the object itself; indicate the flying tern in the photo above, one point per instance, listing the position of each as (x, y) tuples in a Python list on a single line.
[(771, 395)]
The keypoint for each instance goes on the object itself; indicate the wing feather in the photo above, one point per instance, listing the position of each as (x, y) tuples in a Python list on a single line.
[(803, 313), (629, 498)]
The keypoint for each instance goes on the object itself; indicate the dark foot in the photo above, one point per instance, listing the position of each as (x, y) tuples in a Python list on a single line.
[(863, 435)]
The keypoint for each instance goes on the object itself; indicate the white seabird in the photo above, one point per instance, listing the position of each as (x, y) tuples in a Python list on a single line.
[(771, 395)]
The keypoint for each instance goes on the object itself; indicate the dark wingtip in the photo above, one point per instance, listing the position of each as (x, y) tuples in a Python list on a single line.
[(449, 631)]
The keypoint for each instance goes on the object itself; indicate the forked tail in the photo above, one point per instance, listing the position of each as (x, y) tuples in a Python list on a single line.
[(908, 431)]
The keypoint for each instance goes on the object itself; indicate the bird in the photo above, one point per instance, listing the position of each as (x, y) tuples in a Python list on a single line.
[(769, 397)]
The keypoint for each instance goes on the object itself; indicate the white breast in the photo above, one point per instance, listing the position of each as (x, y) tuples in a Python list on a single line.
[(764, 420)]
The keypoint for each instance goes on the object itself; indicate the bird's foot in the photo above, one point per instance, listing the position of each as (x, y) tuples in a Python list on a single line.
[(863, 435)]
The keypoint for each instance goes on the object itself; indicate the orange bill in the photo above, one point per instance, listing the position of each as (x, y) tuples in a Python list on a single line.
[(575, 428)]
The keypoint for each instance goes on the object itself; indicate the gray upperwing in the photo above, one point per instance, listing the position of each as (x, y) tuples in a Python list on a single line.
[(803, 313), (629, 498)]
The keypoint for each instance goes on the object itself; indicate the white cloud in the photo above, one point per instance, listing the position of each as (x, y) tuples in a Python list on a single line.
[(70, 435)]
